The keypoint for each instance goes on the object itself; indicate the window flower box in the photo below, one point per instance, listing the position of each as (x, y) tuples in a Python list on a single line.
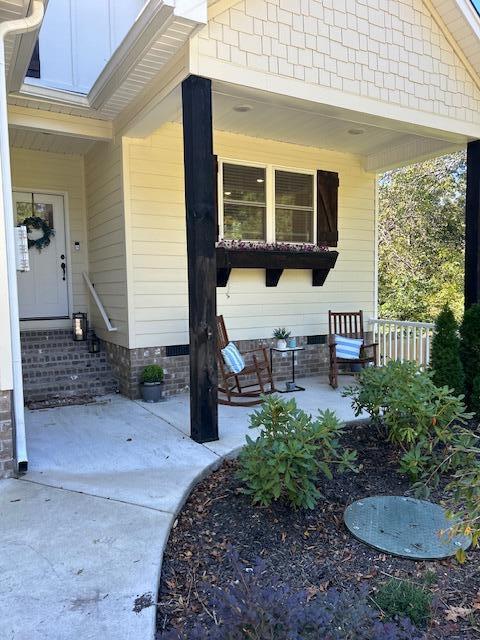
[(274, 258)]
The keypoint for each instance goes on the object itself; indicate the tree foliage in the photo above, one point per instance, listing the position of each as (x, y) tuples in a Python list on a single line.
[(421, 239), (445, 357)]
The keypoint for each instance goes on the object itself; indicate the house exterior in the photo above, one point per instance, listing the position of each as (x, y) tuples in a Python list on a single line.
[(137, 125)]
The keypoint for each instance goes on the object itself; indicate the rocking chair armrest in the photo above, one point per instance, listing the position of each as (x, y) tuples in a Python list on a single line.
[(373, 345), (256, 350)]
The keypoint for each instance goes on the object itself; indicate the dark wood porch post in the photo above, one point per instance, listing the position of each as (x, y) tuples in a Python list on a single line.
[(472, 225), (200, 189)]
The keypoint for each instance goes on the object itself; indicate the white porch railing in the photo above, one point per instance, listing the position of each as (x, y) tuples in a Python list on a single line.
[(99, 304), (402, 340)]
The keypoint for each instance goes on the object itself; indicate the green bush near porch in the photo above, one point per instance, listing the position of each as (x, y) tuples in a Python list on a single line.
[(411, 412), (290, 452)]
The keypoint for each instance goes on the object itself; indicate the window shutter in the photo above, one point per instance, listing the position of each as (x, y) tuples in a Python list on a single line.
[(327, 208), (33, 70), (215, 176)]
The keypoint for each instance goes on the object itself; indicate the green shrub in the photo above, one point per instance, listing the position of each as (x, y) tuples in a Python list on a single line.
[(470, 354), (290, 452), (416, 415), (152, 373), (400, 599), (446, 365)]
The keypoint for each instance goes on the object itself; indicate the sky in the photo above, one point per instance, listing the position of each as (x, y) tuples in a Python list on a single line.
[(476, 4)]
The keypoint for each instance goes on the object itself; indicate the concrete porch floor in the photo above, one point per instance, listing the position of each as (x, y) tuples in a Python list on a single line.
[(86, 526)]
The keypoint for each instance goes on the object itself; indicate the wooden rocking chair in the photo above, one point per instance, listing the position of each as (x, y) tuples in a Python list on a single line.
[(231, 390), (349, 325)]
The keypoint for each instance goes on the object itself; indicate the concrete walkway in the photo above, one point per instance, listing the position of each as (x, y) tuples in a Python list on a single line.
[(82, 534)]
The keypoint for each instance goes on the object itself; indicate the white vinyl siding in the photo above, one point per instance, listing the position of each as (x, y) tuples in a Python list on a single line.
[(106, 238), (392, 52), (159, 256)]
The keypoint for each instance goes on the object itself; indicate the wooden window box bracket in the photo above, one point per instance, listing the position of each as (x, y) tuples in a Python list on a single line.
[(274, 263)]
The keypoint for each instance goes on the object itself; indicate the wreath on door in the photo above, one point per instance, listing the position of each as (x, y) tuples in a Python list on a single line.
[(35, 222)]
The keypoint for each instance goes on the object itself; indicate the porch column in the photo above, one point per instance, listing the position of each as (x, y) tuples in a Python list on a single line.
[(200, 186), (472, 225)]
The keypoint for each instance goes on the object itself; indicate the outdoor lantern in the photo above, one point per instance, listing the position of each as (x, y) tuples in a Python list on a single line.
[(93, 343), (79, 326)]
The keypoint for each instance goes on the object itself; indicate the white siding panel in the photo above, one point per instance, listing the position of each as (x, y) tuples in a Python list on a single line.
[(159, 258), (106, 236)]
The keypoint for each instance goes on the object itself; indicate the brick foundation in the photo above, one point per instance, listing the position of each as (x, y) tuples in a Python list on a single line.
[(128, 364), (6, 435)]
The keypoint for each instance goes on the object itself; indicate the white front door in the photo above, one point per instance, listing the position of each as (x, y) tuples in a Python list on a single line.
[(43, 291)]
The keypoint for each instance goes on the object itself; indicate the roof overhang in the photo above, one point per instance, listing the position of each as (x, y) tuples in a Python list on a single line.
[(460, 21), (21, 55), (159, 33)]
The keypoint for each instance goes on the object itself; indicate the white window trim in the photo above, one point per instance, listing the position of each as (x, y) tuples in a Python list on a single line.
[(269, 195)]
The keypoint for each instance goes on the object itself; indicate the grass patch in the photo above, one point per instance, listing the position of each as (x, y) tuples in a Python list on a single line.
[(400, 599)]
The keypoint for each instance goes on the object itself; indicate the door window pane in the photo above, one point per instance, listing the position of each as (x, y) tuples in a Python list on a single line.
[(244, 202), (39, 210), (294, 208)]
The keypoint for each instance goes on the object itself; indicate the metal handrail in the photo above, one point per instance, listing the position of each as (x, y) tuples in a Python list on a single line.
[(99, 304)]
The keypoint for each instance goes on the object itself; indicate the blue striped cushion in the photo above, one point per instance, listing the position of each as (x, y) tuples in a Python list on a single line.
[(233, 358), (348, 347)]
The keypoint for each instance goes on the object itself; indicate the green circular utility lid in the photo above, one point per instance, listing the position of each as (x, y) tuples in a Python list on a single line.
[(403, 527)]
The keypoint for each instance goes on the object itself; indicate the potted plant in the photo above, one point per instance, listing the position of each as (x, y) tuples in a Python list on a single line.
[(151, 385), (281, 335)]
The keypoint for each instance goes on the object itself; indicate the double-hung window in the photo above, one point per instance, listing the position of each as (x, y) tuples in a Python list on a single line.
[(294, 207), (266, 203), (244, 202)]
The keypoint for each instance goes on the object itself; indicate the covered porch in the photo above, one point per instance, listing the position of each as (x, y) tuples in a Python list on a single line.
[(140, 453), (160, 276)]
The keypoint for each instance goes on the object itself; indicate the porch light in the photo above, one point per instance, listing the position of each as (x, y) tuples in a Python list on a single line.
[(356, 132), (260, 180), (79, 326), (93, 343), (242, 108)]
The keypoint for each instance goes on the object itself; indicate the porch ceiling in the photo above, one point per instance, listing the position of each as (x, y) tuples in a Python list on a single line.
[(54, 143), (382, 143)]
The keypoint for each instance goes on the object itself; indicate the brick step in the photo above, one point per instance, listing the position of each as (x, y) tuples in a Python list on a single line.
[(55, 346), (63, 392), (47, 358), (54, 366), (65, 385)]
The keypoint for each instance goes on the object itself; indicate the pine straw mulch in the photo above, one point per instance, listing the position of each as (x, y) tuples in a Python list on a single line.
[(307, 549)]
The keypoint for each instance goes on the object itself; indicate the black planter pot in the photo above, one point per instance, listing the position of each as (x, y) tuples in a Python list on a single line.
[(151, 391)]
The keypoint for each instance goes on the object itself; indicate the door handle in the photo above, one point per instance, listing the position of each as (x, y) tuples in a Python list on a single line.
[(64, 268)]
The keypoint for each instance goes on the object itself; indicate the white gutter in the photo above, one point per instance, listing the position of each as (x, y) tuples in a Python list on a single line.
[(24, 25)]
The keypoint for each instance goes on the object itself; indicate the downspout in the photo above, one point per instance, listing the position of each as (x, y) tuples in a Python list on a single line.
[(24, 25)]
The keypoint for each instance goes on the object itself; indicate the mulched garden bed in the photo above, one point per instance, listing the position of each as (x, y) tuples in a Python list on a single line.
[(307, 549)]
